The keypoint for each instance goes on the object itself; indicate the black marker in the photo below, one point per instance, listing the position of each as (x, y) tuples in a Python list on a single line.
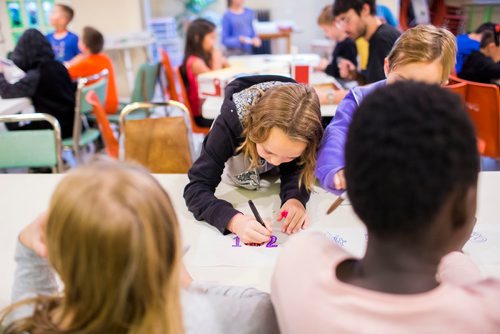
[(256, 213)]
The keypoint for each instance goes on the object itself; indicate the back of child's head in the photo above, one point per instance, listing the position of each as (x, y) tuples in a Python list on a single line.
[(487, 26), (294, 109), (113, 237), (326, 16), (67, 11), (31, 50), (196, 32), (343, 6), (410, 147), (426, 44), (490, 36), (93, 39)]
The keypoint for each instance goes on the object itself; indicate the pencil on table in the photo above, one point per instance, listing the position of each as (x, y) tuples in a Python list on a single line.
[(335, 205)]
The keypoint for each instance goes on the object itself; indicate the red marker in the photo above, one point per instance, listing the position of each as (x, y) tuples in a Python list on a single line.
[(284, 214)]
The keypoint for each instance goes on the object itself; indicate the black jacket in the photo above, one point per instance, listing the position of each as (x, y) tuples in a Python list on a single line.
[(480, 68), (219, 146), (47, 81)]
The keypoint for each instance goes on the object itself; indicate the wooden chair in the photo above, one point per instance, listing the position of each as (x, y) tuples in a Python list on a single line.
[(160, 144)]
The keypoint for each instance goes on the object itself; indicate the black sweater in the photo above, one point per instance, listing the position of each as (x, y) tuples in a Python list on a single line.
[(480, 68), (46, 82), (218, 147), (345, 49)]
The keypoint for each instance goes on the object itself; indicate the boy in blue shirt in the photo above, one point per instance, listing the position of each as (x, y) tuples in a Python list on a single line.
[(64, 43), (468, 43)]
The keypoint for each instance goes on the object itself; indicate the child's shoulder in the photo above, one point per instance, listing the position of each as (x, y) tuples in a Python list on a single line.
[(72, 35), (314, 245)]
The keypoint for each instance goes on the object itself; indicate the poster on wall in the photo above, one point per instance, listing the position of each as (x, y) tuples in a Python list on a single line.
[(32, 13), (47, 6), (15, 15)]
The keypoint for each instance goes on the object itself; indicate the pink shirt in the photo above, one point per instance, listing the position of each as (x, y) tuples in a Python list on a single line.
[(193, 96), (308, 298)]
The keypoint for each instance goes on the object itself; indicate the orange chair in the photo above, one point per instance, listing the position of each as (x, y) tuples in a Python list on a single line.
[(110, 142), (174, 80), (171, 90), (185, 100), (483, 106), (459, 88)]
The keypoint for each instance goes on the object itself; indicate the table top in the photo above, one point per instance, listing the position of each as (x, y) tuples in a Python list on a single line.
[(210, 108), (211, 256), (13, 106), (262, 64)]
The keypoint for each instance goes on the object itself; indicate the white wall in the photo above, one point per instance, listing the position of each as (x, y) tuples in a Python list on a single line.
[(304, 13)]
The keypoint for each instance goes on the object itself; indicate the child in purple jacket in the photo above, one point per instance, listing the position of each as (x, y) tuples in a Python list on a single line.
[(424, 53)]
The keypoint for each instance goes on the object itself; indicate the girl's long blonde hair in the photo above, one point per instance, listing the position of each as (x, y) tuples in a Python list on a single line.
[(113, 237), (294, 109)]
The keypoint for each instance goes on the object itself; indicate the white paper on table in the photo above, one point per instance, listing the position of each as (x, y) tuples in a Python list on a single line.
[(214, 249), (484, 244), (11, 72)]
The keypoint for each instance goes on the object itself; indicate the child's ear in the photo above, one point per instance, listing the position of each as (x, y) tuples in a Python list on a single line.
[(464, 206), (386, 67), (365, 11)]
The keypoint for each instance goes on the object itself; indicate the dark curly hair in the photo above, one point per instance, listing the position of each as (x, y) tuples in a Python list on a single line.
[(409, 148), (343, 6)]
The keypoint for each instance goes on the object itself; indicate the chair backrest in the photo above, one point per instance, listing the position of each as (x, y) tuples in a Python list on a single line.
[(184, 99), (97, 83), (169, 73), (110, 142), (31, 148), (160, 144), (483, 106), (459, 88), (145, 82)]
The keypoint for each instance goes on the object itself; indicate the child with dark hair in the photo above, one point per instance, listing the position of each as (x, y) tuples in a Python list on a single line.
[(358, 19), (412, 167), (345, 48), (238, 33), (46, 82), (468, 43), (93, 61), (200, 56), (483, 65), (64, 42)]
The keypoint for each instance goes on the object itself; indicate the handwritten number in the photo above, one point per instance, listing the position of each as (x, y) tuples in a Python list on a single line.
[(271, 243), (237, 242)]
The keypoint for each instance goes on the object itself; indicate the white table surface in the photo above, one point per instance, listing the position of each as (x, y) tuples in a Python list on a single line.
[(24, 196), (14, 106), (210, 108)]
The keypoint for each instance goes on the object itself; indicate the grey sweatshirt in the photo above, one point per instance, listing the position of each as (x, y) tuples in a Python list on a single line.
[(207, 308)]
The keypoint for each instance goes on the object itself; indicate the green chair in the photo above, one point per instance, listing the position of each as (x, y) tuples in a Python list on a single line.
[(144, 90), (84, 135), (31, 148)]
